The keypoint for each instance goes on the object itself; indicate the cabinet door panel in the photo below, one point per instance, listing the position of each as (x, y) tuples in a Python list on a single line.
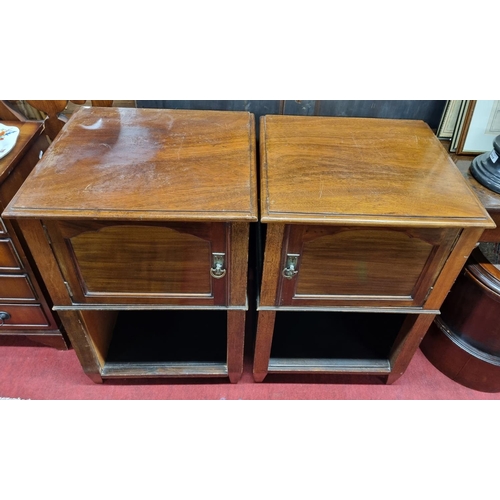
[(120, 263), (363, 265)]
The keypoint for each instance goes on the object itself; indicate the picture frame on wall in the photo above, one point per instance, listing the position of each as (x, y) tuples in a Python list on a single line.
[(481, 125)]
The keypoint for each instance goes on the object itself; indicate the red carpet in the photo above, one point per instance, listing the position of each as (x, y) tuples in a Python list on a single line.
[(30, 371)]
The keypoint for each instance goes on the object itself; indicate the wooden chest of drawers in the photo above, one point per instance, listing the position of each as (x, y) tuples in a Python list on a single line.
[(25, 307), (366, 224), (139, 220)]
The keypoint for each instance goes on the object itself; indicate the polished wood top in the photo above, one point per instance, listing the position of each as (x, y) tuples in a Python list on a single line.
[(145, 164), (336, 170), (28, 133)]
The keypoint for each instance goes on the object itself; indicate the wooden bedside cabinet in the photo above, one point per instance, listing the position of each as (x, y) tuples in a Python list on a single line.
[(139, 220), (367, 223), (25, 306)]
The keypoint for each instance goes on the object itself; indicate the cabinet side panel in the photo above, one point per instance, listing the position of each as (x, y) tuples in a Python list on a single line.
[(82, 344), (272, 261), (455, 263), (42, 253), (99, 326), (239, 263)]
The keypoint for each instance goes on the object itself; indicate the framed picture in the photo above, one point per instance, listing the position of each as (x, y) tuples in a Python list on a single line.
[(480, 127), (459, 124), (448, 120)]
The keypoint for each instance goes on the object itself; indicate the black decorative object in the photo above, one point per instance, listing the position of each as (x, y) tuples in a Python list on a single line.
[(486, 167)]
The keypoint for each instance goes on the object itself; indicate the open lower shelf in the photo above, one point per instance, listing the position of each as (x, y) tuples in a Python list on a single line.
[(168, 343), (333, 342)]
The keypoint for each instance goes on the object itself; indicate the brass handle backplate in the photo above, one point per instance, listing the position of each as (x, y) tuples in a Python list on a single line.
[(290, 269), (217, 270)]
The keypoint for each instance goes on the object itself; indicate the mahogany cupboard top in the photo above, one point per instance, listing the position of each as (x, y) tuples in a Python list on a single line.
[(145, 164), (361, 171)]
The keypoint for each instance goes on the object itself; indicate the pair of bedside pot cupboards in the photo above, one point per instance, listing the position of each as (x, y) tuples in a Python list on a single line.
[(143, 222)]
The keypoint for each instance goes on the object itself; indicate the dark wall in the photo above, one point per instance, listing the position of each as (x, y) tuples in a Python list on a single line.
[(428, 111)]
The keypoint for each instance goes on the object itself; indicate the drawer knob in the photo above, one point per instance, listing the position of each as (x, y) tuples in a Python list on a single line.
[(4, 316), (217, 270), (291, 266)]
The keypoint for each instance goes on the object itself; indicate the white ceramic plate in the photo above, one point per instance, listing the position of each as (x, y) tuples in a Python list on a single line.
[(8, 139)]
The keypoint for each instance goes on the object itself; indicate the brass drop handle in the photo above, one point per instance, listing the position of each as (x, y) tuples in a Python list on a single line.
[(290, 269), (4, 316), (217, 270)]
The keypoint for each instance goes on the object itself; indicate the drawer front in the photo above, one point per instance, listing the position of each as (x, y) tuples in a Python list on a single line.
[(22, 316), (333, 266), (9, 258), (118, 263), (16, 287)]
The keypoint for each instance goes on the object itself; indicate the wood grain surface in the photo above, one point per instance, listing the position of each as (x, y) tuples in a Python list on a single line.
[(117, 262), (145, 164), (361, 171), (389, 265)]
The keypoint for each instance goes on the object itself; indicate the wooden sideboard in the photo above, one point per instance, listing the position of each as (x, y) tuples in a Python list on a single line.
[(366, 224), (139, 222), (25, 305)]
